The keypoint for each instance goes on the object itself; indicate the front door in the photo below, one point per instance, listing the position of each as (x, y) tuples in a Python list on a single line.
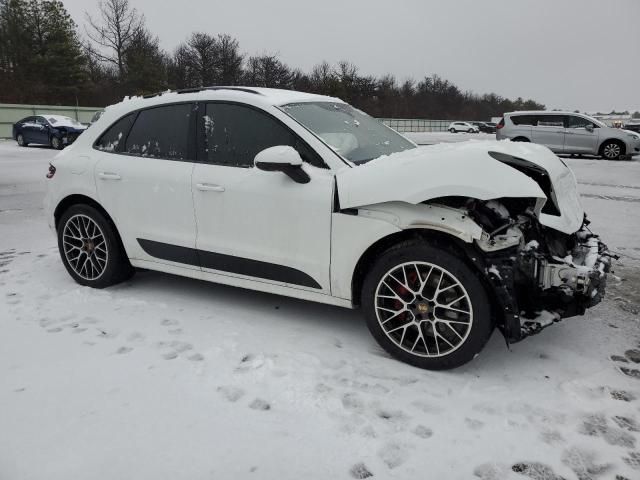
[(581, 136), (143, 178), (253, 224), (549, 131)]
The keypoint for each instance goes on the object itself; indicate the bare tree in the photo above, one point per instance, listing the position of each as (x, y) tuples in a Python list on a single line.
[(118, 25)]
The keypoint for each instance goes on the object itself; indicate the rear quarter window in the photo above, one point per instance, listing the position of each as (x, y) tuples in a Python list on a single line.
[(522, 119), (112, 140)]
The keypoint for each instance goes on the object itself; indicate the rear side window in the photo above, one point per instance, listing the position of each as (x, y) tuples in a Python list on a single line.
[(550, 121), (112, 140), (161, 132), (234, 134), (522, 119)]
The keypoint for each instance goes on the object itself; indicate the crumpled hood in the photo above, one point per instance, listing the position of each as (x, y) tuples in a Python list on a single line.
[(462, 169)]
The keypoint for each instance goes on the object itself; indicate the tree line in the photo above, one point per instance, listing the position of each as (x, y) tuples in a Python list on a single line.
[(45, 59)]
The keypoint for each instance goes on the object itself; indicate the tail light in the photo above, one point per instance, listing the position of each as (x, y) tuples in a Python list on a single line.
[(500, 124), (52, 171)]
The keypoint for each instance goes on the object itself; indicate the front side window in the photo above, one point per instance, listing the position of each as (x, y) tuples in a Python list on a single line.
[(349, 132), (161, 132), (573, 121), (234, 134), (112, 140)]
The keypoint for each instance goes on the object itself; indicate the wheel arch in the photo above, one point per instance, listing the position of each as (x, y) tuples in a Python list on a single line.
[(521, 138), (79, 199), (434, 237)]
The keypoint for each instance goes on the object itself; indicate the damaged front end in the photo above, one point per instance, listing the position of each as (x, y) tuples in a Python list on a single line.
[(539, 275)]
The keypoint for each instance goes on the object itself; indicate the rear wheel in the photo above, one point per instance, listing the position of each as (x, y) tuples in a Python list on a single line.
[(20, 140), (426, 307), (471, 130), (452, 130), (91, 249), (612, 150)]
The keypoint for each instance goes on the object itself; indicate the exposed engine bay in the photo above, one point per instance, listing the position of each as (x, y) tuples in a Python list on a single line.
[(539, 274)]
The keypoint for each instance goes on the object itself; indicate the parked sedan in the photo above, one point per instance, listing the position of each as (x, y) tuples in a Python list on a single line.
[(305, 196), (485, 127), (54, 130), (633, 126), (455, 127)]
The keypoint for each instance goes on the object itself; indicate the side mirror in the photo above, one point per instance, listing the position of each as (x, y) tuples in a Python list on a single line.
[(282, 158), (589, 128)]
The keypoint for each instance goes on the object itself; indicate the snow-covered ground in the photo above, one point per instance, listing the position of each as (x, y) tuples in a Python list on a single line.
[(170, 378)]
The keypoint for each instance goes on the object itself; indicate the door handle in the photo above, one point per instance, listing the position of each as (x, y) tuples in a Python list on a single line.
[(109, 176), (209, 187)]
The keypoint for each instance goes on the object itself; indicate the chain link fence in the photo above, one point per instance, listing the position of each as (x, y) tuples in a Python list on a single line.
[(408, 125)]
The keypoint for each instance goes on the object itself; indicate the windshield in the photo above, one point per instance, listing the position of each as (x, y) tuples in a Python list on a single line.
[(351, 133)]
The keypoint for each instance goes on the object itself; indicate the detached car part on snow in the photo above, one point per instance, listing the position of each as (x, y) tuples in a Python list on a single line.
[(305, 196)]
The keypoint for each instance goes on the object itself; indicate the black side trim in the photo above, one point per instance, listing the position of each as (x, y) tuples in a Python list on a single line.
[(227, 263)]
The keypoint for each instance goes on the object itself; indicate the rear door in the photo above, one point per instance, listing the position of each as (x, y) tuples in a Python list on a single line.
[(549, 130), (581, 135), (258, 225), (143, 178), (29, 129)]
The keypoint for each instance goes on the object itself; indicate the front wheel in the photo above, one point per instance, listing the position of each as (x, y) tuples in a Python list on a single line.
[(20, 140), (90, 248), (471, 130), (426, 307), (612, 150), (452, 130), (56, 143)]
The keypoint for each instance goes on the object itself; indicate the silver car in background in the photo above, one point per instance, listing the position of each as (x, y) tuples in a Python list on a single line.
[(567, 132)]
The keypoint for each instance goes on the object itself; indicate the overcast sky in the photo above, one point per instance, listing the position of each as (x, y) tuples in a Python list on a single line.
[(574, 54)]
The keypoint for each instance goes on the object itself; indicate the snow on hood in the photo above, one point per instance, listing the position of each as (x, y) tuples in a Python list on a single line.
[(461, 169), (62, 121)]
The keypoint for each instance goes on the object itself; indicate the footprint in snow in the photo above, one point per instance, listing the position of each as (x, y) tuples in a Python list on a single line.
[(536, 471), (54, 330), (622, 395), (491, 471), (231, 393), (196, 357), (123, 350), (351, 401), (259, 404), (422, 431), (630, 372), (633, 355), (627, 423), (473, 424), (618, 358), (596, 425), (393, 455), (633, 460), (360, 471), (583, 464), (167, 322), (170, 355)]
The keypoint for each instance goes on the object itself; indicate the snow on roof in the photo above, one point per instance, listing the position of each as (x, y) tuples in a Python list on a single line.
[(268, 96)]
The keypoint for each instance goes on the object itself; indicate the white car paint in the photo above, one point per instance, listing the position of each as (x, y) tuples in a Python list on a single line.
[(463, 127), (265, 216)]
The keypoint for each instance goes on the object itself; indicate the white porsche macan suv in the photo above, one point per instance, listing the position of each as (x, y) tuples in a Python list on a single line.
[(303, 195)]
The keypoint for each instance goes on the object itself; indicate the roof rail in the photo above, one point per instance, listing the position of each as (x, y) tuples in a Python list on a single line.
[(200, 89)]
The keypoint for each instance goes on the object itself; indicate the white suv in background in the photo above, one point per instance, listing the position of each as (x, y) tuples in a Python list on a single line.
[(567, 132), (463, 127), (303, 195)]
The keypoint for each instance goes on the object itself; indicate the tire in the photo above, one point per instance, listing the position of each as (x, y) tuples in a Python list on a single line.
[(382, 299), (20, 140), (91, 249), (56, 143), (452, 130), (612, 150), (471, 130)]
